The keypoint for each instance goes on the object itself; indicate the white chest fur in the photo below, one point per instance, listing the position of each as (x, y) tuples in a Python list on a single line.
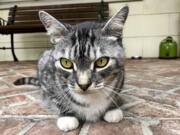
[(97, 104)]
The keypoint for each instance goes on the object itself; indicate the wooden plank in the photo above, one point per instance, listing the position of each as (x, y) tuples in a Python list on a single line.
[(59, 10), (27, 20), (21, 29), (63, 6), (38, 22), (61, 16), (23, 43), (70, 21)]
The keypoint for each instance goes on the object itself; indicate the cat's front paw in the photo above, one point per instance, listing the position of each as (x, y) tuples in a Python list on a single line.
[(113, 116), (67, 123)]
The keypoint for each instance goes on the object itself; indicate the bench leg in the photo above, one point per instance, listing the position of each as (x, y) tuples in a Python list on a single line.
[(12, 47)]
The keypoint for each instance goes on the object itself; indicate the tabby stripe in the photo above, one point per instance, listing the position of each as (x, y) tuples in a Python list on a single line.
[(27, 80), (75, 101), (75, 51), (88, 51)]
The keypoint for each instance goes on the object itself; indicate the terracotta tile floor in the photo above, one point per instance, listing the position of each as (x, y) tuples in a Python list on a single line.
[(151, 99)]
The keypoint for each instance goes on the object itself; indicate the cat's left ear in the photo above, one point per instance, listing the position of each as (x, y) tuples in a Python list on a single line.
[(54, 28), (115, 24)]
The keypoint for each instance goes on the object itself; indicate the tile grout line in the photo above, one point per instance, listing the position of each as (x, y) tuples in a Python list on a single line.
[(165, 83), (85, 129), (169, 119), (7, 83), (132, 96), (23, 93), (14, 105), (32, 98), (145, 123), (165, 110), (146, 118), (173, 90), (28, 127), (29, 116), (157, 90), (145, 129), (126, 106)]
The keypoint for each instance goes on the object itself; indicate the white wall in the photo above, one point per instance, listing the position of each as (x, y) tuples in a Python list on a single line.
[(149, 22)]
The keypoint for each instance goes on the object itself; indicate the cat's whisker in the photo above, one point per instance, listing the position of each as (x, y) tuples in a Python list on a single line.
[(111, 99), (113, 88), (109, 90), (109, 86)]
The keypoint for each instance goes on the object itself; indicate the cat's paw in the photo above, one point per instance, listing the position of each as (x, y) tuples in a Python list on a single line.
[(113, 116), (67, 123)]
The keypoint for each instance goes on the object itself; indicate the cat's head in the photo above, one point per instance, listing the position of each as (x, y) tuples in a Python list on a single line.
[(88, 56)]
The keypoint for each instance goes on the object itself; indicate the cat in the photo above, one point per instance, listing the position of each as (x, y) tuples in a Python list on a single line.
[(81, 75)]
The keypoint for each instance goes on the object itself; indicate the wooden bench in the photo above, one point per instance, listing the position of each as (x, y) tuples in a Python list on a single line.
[(26, 20)]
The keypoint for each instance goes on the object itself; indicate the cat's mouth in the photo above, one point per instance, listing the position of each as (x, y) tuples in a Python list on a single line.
[(87, 92), (93, 89)]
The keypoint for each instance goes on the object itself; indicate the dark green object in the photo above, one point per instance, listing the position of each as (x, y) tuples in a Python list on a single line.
[(168, 48)]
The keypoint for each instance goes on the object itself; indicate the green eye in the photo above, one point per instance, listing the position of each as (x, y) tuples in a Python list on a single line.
[(66, 63), (101, 62)]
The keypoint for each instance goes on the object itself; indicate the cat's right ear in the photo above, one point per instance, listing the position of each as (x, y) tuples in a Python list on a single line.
[(115, 24), (54, 28)]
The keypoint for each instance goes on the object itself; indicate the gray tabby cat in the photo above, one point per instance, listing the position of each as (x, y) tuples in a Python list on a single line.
[(82, 73)]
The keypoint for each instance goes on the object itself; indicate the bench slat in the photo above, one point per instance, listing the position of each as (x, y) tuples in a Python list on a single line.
[(27, 20), (70, 21), (22, 29), (58, 10), (61, 16), (63, 6)]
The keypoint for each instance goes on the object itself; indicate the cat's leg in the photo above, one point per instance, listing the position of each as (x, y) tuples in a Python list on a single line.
[(67, 123), (113, 116)]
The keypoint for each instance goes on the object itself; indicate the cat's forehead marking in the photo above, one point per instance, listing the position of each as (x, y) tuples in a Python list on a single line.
[(72, 53), (83, 45), (66, 54), (98, 52), (112, 38), (87, 42)]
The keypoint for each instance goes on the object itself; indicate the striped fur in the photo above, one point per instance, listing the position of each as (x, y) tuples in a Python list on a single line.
[(27, 80), (82, 44)]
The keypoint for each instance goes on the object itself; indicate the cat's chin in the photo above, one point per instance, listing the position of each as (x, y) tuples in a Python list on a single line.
[(86, 92)]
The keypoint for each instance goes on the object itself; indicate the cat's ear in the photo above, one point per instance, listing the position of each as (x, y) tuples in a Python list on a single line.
[(54, 28), (115, 24)]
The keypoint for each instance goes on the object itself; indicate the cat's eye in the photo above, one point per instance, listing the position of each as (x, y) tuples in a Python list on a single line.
[(101, 62), (66, 63)]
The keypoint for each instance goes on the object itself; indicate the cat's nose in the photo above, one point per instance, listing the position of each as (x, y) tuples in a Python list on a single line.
[(84, 87)]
